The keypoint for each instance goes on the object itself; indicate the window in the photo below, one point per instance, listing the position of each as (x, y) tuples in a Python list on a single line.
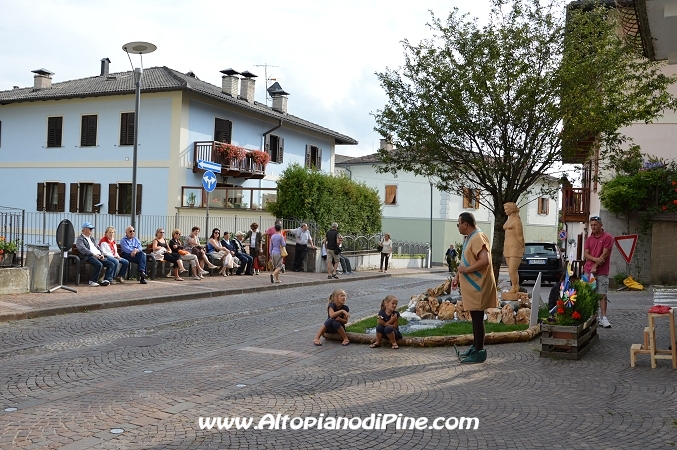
[(51, 197), (120, 198), (313, 157), (275, 148), (471, 198), (223, 130), (83, 197), (54, 131), (88, 131), (391, 194), (127, 128), (543, 205)]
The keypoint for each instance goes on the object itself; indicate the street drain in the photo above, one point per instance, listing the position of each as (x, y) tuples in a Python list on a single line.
[(137, 341)]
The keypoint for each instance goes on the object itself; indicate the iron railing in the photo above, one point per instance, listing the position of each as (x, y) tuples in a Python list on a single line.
[(362, 244), (12, 227)]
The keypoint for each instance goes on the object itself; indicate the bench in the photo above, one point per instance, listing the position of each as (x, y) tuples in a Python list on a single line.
[(73, 255)]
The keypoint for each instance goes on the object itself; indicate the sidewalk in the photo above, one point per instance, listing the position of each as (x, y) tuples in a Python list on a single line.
[(160, 290)]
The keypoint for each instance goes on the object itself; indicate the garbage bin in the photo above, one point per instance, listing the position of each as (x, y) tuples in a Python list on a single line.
[(38, 261)]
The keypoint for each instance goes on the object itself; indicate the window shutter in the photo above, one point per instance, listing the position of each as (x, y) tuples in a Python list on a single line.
[(391, 195), (96, 194), (61, 198), (54, 125), (138, 198), (280, 149), (307, 155), (223, 130), (127, 129), (266, 147), (41, 197), (466, 196), (74, 198), (88, 131), (319, 159), (112, 198), (477, 199)]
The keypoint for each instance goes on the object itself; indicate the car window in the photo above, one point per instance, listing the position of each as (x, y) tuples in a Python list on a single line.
[(540, 249)]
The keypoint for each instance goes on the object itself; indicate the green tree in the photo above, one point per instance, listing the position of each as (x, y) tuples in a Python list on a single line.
[(308, 194), (489, 103)]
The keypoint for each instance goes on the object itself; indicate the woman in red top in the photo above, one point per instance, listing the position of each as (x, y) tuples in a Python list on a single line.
[(110, 250)]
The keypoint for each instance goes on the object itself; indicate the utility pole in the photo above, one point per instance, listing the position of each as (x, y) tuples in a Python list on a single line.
[(265, 74)]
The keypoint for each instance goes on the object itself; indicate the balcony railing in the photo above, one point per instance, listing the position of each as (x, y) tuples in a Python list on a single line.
[(575, 204), (230, 167)]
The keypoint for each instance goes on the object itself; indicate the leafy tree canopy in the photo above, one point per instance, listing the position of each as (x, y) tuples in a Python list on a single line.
[(489, 103), (314, 196)]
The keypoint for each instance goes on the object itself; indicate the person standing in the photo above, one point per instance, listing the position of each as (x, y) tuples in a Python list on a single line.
[(90, 252), (253, 238), (597, 261), (451, 256), (303, 239), (276, 243), (478, 285), (331, 244), (132, 251), (386, 252)]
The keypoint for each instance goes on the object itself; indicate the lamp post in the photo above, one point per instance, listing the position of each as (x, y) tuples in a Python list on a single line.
[(138, 48)]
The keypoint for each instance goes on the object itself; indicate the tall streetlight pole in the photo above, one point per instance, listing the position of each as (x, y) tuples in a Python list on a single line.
[(138, 48)]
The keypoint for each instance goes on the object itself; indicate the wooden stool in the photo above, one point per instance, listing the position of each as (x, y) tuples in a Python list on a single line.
[(653, 350), (642, 349)]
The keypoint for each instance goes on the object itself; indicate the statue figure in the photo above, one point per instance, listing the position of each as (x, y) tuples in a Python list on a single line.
[(513, 247)]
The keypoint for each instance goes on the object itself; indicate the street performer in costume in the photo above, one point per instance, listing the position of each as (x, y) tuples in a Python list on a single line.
[(478, 286)]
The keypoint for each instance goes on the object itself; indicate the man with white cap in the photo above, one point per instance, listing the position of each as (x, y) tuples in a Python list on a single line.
[(89, 251)]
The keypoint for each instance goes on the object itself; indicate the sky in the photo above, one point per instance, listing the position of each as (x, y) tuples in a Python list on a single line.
[(323, 53)]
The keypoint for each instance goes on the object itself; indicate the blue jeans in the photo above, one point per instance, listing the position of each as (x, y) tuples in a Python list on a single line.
[(121, 266), (246, 263), (139, 258), (96, 268)]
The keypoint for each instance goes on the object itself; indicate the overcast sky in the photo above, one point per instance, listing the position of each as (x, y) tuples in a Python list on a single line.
[(326, 51)]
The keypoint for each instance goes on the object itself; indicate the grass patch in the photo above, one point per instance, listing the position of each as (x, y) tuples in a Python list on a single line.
[(456, 328), (370, 322)]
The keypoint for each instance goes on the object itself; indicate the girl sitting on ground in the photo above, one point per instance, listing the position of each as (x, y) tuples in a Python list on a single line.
[(388, 322), (337, 317)]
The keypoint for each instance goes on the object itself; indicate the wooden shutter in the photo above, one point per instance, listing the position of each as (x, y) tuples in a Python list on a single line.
[(138, 198), (266, 147), (466, 198), (74, 198), (112, 198), (308, 156), (477, 199), (54, 133), (223, 130), (391, 195), (96, 195), (127, 129), (61, 198), (88, 131), (319, 159), (41, 197), (280, 149)]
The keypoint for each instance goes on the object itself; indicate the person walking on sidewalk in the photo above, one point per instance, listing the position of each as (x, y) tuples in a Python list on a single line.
[(303, 239), (597, 260), (276, 243), (132, 251), (478, 286), (386, 252), (90, 252)]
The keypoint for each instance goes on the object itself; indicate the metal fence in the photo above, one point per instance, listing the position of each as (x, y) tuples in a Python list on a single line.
[(12, 224), (361, 244)]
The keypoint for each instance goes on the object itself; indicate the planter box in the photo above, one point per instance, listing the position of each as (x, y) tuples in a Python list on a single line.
[(568, 342)]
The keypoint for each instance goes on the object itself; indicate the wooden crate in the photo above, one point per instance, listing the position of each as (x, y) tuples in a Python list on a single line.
[(568, 342)]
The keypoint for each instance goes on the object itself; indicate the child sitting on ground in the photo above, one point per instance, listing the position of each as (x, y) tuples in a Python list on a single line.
[(388, 323), (337, 317)]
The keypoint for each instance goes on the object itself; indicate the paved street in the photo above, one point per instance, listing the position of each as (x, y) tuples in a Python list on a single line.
[(74, 377)]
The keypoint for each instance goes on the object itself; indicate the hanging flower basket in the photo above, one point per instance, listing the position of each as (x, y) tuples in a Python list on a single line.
[(230, 151), (259, 157)]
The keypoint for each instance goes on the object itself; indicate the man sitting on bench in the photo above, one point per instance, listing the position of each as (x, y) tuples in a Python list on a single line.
[(90, 252), (132, 251)]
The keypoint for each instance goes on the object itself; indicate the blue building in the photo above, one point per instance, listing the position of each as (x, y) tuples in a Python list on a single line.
[(68, 146)]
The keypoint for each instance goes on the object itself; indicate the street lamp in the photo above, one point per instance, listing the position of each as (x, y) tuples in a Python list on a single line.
[(138, 48)]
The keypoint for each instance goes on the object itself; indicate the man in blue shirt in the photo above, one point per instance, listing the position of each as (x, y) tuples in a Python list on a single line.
[(132, 251)]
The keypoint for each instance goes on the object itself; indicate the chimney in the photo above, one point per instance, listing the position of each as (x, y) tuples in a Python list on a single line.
[(385, 145), (42, 79), (247, 86), (279, 97), (229, 82), (104, 67)]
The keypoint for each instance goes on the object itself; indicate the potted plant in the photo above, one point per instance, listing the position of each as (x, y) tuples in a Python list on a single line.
[(231, 151), (191, 199), (7, 251), (259, 157)]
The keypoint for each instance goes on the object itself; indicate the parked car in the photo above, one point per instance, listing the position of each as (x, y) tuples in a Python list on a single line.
[(543, 257)]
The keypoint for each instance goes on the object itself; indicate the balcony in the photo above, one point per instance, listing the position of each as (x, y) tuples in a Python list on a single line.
[(575, 204), (230, 167)]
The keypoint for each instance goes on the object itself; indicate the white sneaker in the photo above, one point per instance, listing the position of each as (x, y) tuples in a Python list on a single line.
[(93, 283), (204, 272), (169, 274), (604, 323)]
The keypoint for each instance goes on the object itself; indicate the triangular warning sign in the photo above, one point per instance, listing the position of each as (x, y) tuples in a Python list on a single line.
[(626, 246)]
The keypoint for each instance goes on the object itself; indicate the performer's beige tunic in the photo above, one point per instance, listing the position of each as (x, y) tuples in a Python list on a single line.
[(478, 288)]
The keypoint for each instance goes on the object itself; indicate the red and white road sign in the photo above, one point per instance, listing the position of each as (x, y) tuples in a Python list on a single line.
[(626, 246)]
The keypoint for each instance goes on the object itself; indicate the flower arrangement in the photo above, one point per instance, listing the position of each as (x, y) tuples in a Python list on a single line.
[(259, 157), (578, 300), (230, 151), (8, 246)]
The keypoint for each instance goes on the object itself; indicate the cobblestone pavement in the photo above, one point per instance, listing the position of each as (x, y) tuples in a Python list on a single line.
[(75, 377)]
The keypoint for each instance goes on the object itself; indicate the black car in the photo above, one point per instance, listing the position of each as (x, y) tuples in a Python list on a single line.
[(543, 257)]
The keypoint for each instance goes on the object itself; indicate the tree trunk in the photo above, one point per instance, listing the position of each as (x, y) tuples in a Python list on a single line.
[(499, 237)]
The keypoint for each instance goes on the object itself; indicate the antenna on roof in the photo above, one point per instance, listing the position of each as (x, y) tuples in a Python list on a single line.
[(268, 80)]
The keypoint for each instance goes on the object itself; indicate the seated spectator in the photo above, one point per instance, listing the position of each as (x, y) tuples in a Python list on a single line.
[(162, 251), (90, 252), (132, 251), (345, 263), (193, 245), (228, 245), (246, 261), (110, 249), (178, 249), (217, 251)]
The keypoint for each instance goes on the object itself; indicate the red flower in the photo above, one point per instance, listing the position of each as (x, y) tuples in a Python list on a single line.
[(674, 183), (560, 303), (576, 315), (664, 208), (674, 202), (560, 310), (675, 189)]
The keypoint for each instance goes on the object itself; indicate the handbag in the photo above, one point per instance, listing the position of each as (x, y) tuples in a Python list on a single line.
[(184, 252), (283, 251), (379, 247), (269, 265)]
